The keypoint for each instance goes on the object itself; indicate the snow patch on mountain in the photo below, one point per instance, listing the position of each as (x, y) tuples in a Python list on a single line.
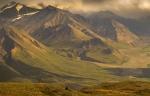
[(18, 7), (21, 16)]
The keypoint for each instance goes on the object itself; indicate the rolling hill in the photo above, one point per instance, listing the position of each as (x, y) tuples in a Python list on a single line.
[(30, 60)]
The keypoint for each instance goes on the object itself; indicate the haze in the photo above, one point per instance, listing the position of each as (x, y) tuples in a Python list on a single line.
[(128, 8)]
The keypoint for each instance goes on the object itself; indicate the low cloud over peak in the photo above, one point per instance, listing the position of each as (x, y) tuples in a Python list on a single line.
[(129, 8)]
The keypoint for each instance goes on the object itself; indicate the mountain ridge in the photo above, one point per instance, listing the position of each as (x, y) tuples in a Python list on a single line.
[(106, 24), (55, 45)]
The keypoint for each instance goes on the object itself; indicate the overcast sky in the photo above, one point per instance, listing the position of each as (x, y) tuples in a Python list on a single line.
[(130, 8)]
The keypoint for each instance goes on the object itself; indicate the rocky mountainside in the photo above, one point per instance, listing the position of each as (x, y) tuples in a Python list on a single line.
[(51, 23), (52, 45), (138, 26), (111, 26), (13, 10), (27, 59), (123, 34), (68, 33)]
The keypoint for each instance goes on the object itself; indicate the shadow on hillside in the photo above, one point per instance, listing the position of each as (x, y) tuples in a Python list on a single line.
[(38, 74), (6, 73), (32, 73), (138, 72)]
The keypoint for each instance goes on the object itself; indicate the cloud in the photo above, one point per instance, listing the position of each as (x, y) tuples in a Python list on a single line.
[(118, 4), (96, 1), (130, 8)]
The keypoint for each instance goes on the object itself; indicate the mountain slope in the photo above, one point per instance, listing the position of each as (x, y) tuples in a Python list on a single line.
[(13, 9), (142, 26), (37, 63), (68, 33), (123, 34), (53, 45), (112, 26)]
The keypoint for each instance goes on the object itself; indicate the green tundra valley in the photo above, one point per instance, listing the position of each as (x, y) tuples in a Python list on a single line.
[(74, 48)]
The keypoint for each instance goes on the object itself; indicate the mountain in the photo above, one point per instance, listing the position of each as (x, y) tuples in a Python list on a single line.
[(49, 21), (51, 45), (68, 33), (15, 10), (54, 45), (26, 59), (1, 58), (111, 26), (138, 26), (142, 26), (56, 52), (123, 34), (9, 10)]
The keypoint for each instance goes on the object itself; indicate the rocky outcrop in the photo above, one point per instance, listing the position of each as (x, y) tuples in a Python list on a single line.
[(14, 10), (7, 44), (112, 26), (123, 34)]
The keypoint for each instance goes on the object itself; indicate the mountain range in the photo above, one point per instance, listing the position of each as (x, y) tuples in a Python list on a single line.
[(139, 26), (55, 45)]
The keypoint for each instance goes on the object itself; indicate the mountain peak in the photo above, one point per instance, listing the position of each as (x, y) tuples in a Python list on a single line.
[(47, 10), (106, 14), (123, 34), (51, 7), (14, 9), (10, 5)]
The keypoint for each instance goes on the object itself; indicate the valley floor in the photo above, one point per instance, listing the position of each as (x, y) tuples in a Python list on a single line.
[(136, 57), (126, 88)]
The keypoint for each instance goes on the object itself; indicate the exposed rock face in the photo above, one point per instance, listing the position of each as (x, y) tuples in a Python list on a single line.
[(13, 10), (1, 56), (52, 25), (7, 45), (111, 26), (60, 29), (123, 34), (9, 11)]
